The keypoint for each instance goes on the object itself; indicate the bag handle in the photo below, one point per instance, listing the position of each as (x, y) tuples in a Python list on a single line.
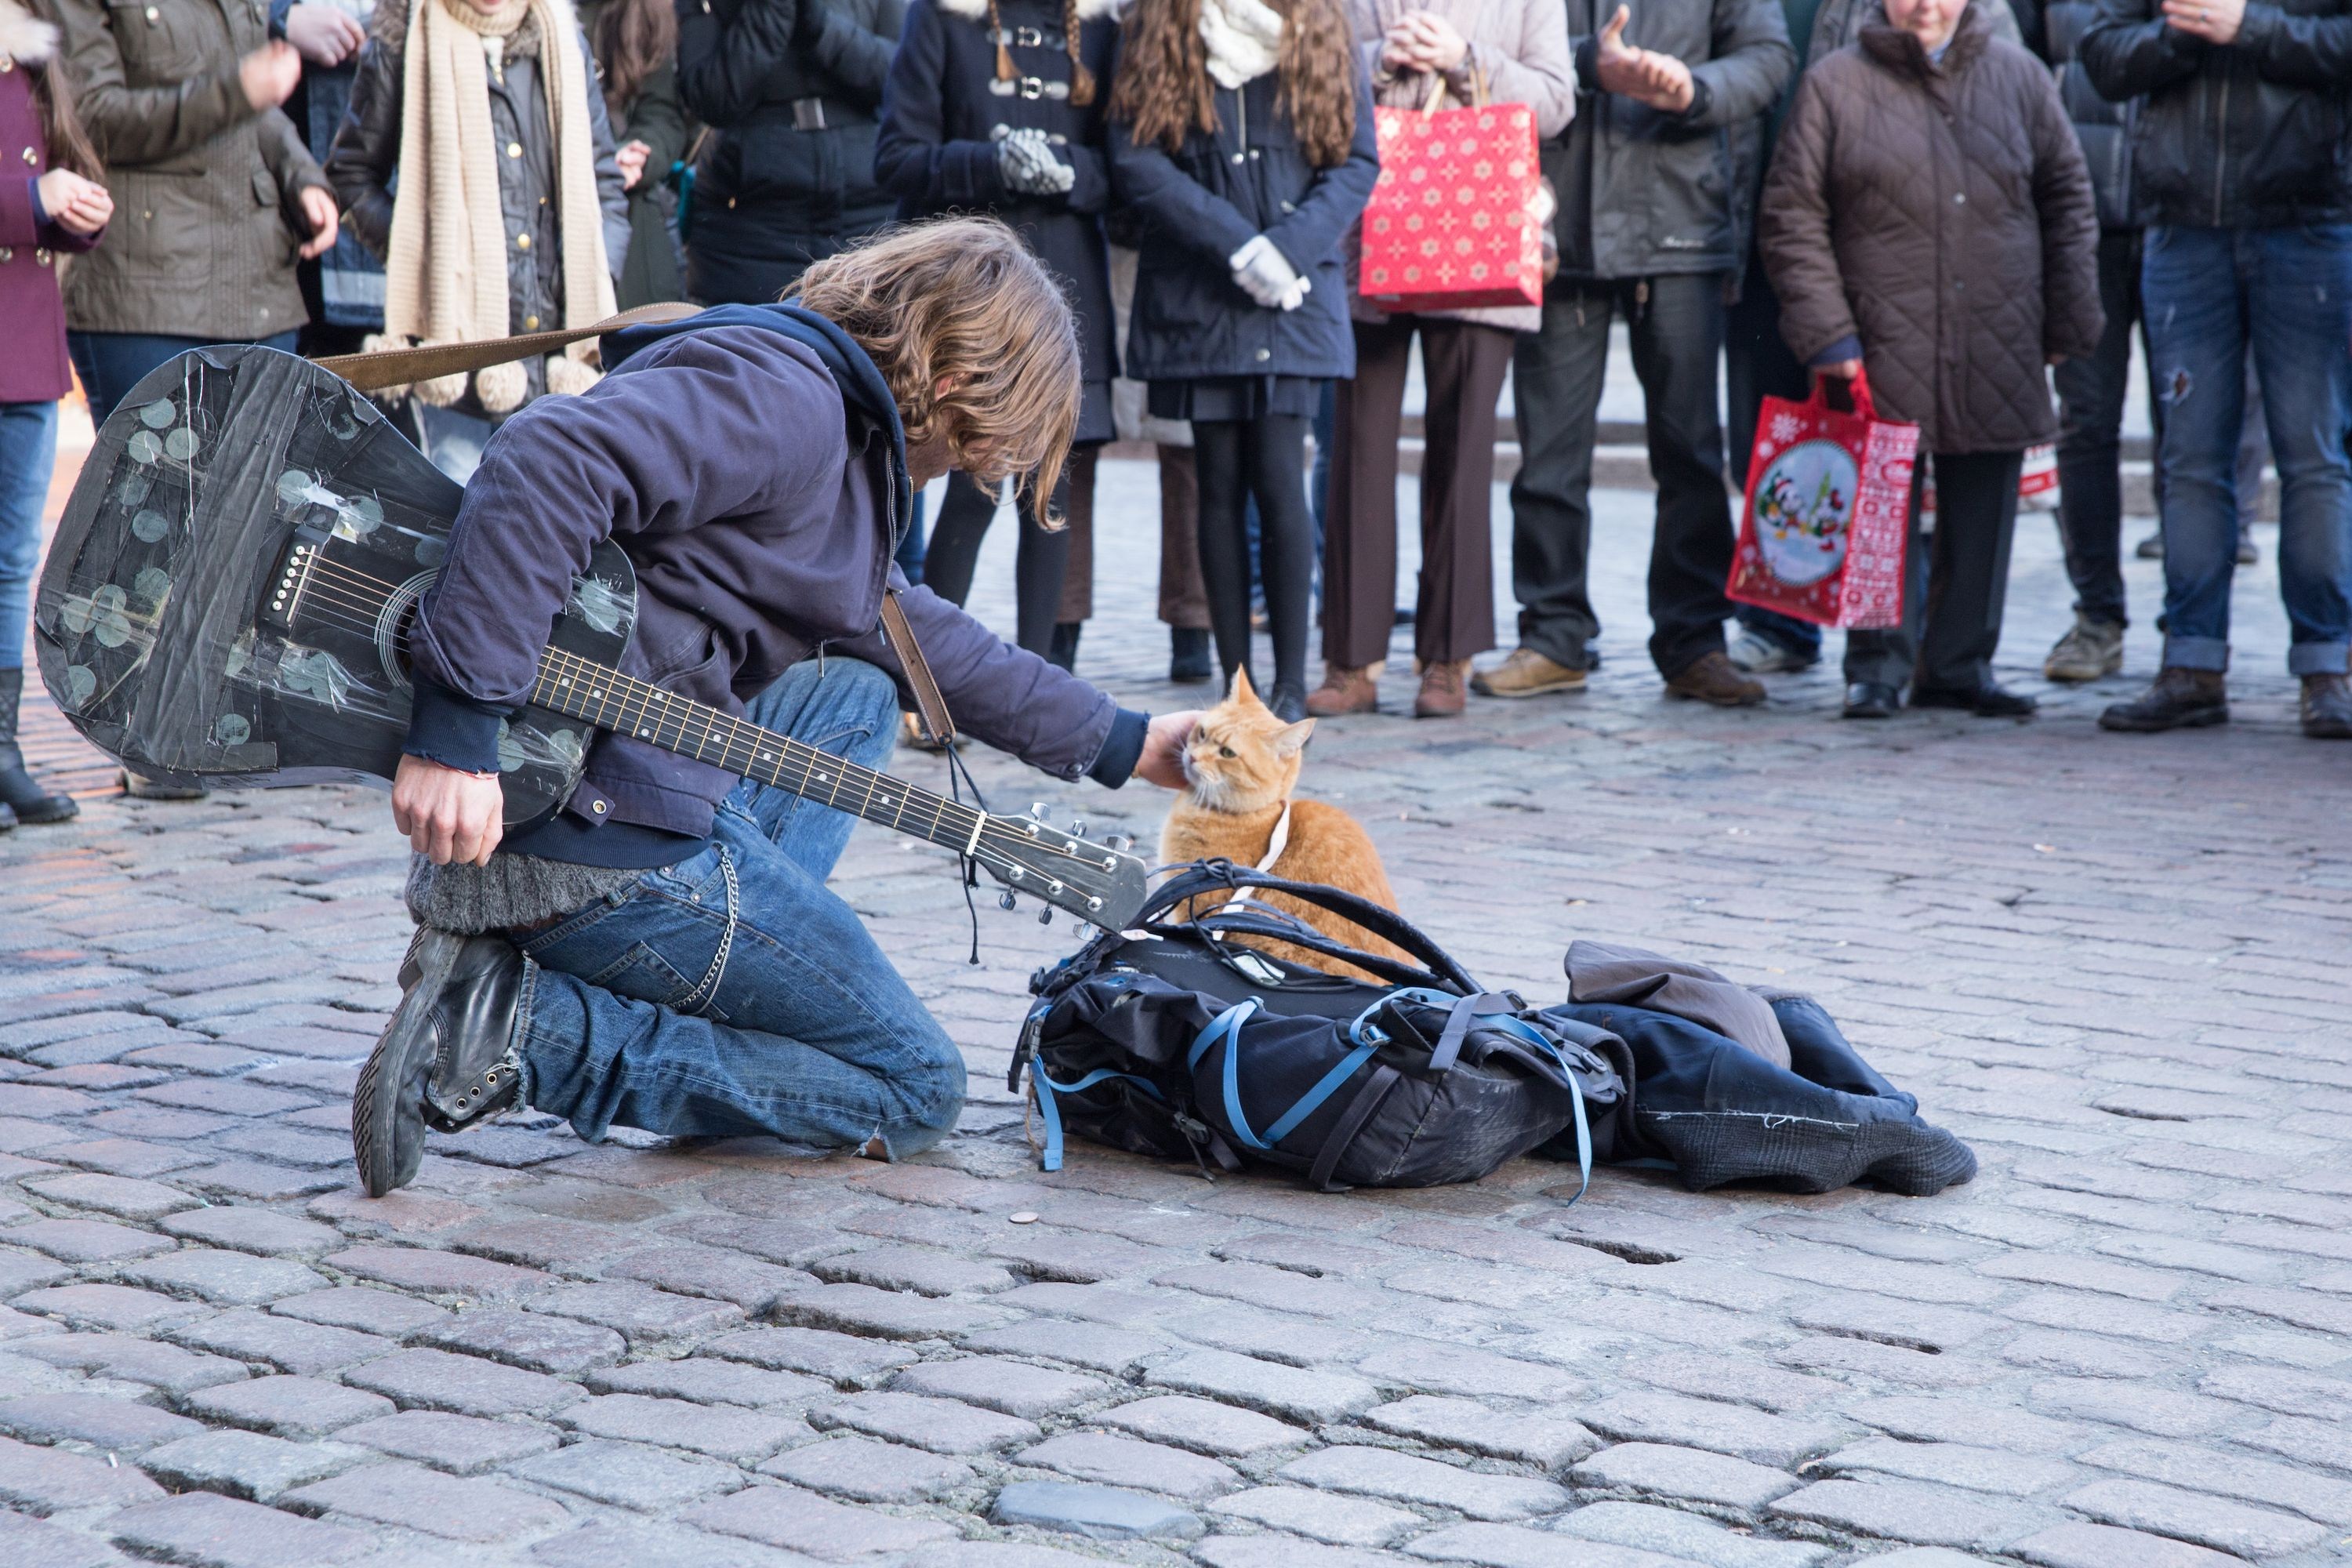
[(1436, 99), (1210, 876), (1857, 388), (401, 367)]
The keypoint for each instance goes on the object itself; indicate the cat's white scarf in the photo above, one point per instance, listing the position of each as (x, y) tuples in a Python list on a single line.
[(1244, 39)]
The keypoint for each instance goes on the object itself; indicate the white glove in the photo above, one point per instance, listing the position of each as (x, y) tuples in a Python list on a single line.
[(1295, 295), (1027, 162), (1266, 275)]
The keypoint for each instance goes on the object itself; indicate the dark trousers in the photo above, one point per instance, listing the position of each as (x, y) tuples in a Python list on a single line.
[(1676, 326), (1261, 460), (1043, 563), (2090, 395), (111, 363), (1463, 364), (1758, 363), (1954, 589), (1183, 600)]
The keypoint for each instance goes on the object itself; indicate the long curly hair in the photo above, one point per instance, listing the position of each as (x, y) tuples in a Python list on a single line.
[(1164, 92), (632, 39)]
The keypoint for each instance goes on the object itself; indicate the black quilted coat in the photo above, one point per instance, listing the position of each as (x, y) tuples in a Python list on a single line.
[(1941, 214)]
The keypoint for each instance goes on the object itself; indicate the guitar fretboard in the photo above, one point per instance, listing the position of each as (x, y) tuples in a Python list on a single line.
[(624, 705)]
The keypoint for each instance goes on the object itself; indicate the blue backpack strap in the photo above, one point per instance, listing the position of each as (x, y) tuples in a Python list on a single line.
[(1049, 1158)]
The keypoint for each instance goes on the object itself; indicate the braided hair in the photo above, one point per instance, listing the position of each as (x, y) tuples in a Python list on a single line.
[(1082, 80)]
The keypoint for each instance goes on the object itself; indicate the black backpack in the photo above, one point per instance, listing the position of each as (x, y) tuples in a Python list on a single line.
[(1168, 1041)]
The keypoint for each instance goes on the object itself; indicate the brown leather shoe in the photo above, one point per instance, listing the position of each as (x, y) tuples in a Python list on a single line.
[(1714, 679), (2326, 706), (1444, 690), (1527, 673), (1346, 689), (2178, 698)]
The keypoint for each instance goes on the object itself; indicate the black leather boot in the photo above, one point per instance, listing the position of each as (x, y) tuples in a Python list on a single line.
[(2179, 699), (1188, 655), (21, 799), (1064, 649), (448, 1059)]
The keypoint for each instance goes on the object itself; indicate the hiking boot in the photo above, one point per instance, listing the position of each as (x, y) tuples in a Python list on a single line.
[(138, 787), (1188, 655), (1442, 694), (21, 799), (1990, 700), (2179, 700), (1525, 673), (2093, 648), (1346, 689), (1711, 679), (1759, 655), (448, 1058), (2327, 707), (1870, 700), (2151, 547)]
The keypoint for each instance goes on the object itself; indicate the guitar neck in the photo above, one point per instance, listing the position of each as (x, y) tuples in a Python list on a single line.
[(624, 705)]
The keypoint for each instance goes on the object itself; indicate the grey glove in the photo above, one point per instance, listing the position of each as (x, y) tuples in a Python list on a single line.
[(1026, 161)]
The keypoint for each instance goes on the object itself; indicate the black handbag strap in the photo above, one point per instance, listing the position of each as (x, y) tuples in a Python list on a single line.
[(1280, 928), (1207, 877)]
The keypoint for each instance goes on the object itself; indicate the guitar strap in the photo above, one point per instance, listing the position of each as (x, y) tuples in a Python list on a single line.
[(930, 704)]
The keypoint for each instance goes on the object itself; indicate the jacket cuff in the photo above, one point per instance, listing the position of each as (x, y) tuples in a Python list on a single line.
[(452, 729), (1588, 65), (1702, 100), (1845, 347), (33, 195), (1122, 749), (278, 9)]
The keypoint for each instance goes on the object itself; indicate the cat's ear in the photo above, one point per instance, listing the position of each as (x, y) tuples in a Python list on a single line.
[(1291, 739), (1241, 689)]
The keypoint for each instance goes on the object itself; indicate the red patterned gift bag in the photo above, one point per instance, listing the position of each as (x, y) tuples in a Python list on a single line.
[(1829, 501), (1456, 220)]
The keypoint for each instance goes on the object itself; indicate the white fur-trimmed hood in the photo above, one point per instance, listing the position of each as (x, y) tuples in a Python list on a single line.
[(24, 37), (977, 10)]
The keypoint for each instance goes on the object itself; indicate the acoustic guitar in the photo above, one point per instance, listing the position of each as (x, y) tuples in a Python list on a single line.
[(230, 598)]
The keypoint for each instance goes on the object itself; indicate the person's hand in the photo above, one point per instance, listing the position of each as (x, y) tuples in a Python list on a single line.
[(1399, 48), (2215, 21), (317, 205), (1841, 370), (1659, 81), (1162, 762), (268, 73), (451, 818), (1435, 43), (323, 35), (631, 156), (1263, 273), (75, 205)]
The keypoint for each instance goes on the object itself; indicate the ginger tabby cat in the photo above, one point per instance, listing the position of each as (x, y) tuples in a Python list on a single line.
[(1241, 767)]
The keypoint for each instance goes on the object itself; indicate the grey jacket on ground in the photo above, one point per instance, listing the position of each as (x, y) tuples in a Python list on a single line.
[(1643, 192)]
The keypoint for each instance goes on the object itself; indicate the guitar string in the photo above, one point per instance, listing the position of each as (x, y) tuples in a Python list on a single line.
[(360, 615)]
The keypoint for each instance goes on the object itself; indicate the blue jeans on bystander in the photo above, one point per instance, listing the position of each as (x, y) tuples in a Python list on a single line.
[(732, 993), (111, 363), (2284, 295), (28, 449)]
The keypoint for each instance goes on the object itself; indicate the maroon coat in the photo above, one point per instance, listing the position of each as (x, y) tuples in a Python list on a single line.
[(34, 369)]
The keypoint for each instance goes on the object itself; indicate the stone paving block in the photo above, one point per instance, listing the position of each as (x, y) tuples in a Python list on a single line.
[(1303, 1510), (1928, 1557), (845, 1360), (711, 1271), (1125, 1462), (1550, 1442), (2161, 1412), (639, 1311), (40, 1104), (1283, 1337), (788, 1517), (439, 1273), (21, 1271), (1659, 1469), (1706, 1376), (2103, 1546), (1438, 1368), (786, 1242), (369, 1311), (1517, 1546), (1402, 1478), (1101, 1513), (740, 1436), (414, 1210), (462, 1384), (86, 1241), (300, 1407), (2226, 1526), (1286, 1551), (563, 1245), (256, 1230), (627, 1475), (1094, 1345), (610, 1544), (942, 1425), (166, 1368), (262, 1181), (114, 1426), (1685, 1537), (1953, 1465), (1001, 1554), (1276, 1290), (1890, 1320), (2086, 1356), (868, 1471), (230, 1279), (1927, 1420), (2290, 1392), (118, 1308), (1301, 1395), (29, 1543), (1008, 1387), (244, 1463), (154, 1122), (43, 1480), (287, 1344), (123, 1196), (1082, 1259), (122, 1157), (1910, 1511), (707, 1381), (205, 1530), (916, 1268), (1202, 1426), (462, 1445), (223, 1096), (532, 1340), (2295, 1487), (862, 1310), (410, 1497), (1705, 1424)]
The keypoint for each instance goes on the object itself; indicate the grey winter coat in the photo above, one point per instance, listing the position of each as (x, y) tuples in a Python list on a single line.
[(1645, 193)]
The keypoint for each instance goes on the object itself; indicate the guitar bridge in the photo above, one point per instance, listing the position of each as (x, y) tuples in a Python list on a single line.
[(290, 579)]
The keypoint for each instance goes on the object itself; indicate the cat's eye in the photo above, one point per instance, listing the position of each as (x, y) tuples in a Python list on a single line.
[(1225, 750)]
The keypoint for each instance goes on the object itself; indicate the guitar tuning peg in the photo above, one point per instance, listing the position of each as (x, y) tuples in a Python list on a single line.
[(1120, 842), (1037, 809), (1006, 902), (1046, 916), (1077, 828)]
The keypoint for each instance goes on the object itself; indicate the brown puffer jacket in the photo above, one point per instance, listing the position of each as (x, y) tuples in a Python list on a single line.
[(1941, 213)]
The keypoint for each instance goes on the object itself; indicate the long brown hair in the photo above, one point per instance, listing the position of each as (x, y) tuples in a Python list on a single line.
[(633, 39), (975, 339), (1164, 90), (69, 146)]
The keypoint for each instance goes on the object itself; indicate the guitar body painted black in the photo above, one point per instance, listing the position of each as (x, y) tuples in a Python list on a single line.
[(155, 621)]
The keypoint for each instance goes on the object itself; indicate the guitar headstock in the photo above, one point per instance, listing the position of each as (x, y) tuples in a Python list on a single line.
[(1099, 881)]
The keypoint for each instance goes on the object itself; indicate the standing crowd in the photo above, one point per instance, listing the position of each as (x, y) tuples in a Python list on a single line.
[(1942, 200)]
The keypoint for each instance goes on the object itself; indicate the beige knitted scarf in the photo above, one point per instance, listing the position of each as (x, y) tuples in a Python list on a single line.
[(445, 269)]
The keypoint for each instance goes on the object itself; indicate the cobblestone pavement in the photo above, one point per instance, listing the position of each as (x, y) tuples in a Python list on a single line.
[(2116, 965)]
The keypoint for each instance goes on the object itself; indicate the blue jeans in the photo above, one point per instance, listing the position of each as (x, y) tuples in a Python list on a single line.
[(2284, 295), (29, 448), (111, 363), (731, 994)]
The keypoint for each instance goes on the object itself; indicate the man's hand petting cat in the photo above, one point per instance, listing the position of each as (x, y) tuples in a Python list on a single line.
[(1162, 762)]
